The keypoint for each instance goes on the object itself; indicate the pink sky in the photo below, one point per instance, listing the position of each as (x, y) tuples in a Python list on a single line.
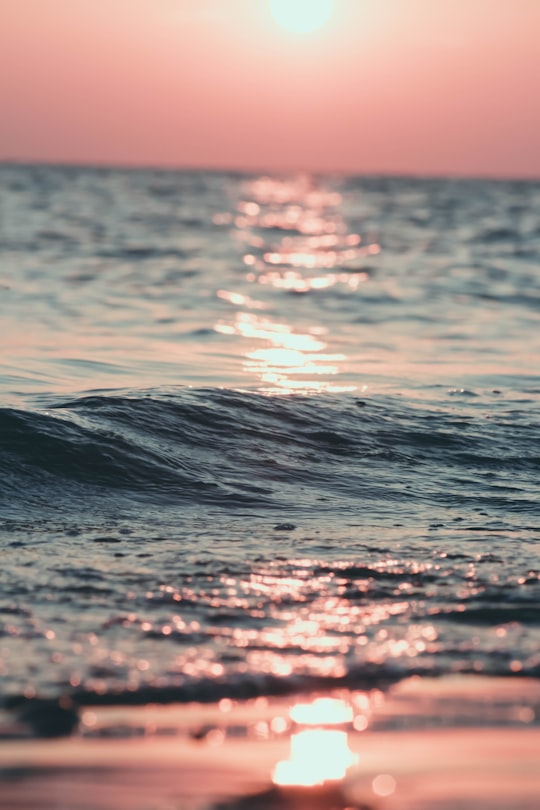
[(406, 86)]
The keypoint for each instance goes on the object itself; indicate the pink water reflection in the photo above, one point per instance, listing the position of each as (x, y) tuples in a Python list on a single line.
[(294, 240)]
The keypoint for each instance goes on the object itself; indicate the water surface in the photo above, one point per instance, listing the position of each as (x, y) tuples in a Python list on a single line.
[(265, 434)]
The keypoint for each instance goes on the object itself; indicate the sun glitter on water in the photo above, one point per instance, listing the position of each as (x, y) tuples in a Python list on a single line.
[(302, 16)]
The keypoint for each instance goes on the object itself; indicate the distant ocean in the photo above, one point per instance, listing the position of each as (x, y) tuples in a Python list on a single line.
[(264, 434)]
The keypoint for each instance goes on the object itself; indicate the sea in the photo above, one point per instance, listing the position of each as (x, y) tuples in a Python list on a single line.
[(265, 434)]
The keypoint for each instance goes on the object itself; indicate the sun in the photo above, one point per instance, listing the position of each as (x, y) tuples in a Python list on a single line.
[(302, 16)]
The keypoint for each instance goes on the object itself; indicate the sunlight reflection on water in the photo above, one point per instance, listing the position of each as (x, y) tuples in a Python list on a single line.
[(295, 241), (319, 751)]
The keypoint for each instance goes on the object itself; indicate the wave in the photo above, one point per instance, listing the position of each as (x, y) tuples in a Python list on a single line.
[(239, 449), (223, 543)]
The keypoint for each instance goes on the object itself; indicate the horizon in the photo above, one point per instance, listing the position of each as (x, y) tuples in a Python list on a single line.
[(271, 172)]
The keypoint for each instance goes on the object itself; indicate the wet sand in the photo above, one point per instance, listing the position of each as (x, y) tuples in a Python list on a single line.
[(464, 743)]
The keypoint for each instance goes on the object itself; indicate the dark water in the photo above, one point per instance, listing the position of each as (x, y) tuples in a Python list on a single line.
[(265, 434)]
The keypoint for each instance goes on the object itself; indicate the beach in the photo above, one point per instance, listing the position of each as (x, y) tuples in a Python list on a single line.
[(464, 742)]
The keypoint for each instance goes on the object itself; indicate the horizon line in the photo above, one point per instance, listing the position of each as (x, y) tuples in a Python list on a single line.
[(276, 171)]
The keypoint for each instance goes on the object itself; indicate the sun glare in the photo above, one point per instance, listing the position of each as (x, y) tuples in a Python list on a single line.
[(302, 16), (320, 750)]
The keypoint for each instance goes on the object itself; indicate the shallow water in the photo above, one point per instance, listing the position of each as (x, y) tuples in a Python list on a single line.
[(467, 742), (263, 435)]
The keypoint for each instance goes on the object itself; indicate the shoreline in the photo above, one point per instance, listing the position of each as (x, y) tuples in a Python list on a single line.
[(425, 743)]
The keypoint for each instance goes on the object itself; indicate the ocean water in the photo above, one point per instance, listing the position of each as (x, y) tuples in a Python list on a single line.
[(265, 434)]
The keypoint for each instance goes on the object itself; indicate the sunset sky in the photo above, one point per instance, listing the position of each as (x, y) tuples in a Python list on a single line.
[(393, 86)]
